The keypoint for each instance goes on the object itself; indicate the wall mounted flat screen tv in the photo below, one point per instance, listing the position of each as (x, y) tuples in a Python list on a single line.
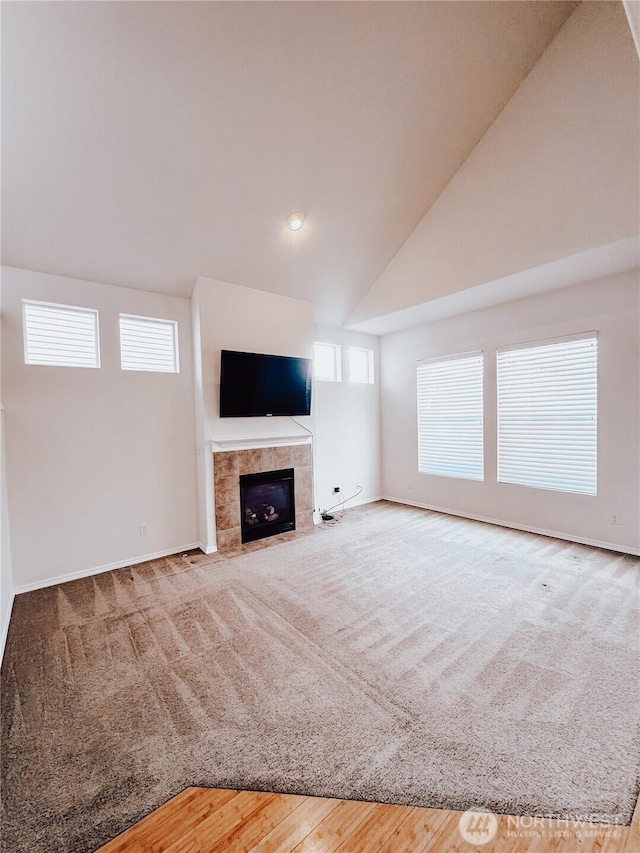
[(254, 385)]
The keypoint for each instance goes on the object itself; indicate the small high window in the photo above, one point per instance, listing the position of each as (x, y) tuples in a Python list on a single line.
[(60, 335), (361, 365), (326, 362), (147, 343)]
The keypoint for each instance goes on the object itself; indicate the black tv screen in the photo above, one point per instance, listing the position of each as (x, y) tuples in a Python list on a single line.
[(252, 385)]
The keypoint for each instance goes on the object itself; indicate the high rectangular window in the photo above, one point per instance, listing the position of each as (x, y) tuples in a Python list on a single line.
[(361, 365), (60, 335), (147, 343), (450, 422), (326, 362), (547, 414)]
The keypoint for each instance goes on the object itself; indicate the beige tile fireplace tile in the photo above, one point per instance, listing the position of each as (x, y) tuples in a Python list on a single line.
[(282, 458), (304, 488), (225, 464), (266, 459), (227, 499), (228, 539), (304, 520), (227, 489), (228, 512), (258, 545), (249, 461), (301, 455)]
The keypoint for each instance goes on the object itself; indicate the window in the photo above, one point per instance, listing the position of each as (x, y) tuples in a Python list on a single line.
[(547, 415), (60, 335), (326, 362), (361, 365), (147, 343), (450, 438)]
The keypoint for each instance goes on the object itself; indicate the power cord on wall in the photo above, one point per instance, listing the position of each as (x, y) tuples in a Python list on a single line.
[(310, 431), (336, 519)]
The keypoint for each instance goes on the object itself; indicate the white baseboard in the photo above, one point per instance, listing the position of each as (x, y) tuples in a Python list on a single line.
[(554, 534), (5, 627), (353, 504), (98, 570), (213, 549)]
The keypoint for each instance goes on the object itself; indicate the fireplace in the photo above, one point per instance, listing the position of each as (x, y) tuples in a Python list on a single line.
[(231, 465), (267, 504)]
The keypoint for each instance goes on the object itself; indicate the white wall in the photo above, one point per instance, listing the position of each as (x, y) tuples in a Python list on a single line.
[(632, 8), (241, 318), (347, 444), (6, 579), (610, 306), (227, 316), (345, 418), (91, 454)]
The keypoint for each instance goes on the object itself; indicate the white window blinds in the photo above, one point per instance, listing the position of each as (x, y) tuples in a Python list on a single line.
[(60, 335), (147, 343), (547, 415), (450, 431)]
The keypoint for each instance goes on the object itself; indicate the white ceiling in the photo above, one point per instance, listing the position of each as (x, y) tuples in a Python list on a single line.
[(550, 196), (144, 144)]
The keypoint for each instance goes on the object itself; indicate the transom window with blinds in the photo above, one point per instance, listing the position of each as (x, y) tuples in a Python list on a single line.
[(547, 414), (450, 423), (60, 335), (148, 343)]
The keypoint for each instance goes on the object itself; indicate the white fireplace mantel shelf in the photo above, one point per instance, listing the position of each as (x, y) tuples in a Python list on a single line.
[(219, 445)]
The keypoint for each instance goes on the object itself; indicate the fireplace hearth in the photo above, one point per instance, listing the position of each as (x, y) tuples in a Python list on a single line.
[(267, 504)]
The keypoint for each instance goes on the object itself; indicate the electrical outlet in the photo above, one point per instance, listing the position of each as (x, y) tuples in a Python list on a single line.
[(336, 489), (144, 528), (615, 519)]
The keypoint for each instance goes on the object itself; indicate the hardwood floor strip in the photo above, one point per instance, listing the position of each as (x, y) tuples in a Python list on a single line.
[(203, 820), (375, 829), (633, 837), (166, 824), (415, 831), (259, 824), (223, 821), (337, 826), (200, 810), (295, 828)]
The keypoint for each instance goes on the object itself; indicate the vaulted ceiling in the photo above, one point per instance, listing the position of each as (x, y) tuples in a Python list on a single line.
[(144, 144), (549, 197)]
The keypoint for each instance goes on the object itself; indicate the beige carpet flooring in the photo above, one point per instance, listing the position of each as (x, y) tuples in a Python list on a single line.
[(401, 656)]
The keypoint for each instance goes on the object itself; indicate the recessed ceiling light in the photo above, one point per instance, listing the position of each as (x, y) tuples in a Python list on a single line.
[(295, 220)]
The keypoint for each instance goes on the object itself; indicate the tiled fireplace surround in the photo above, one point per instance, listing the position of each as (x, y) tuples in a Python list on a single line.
[(230, 464)]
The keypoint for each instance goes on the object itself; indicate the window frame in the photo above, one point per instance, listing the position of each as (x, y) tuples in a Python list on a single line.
[(370, 380), (67, 309), (160, 321), (589, 443), (337, 361), (423, 439)]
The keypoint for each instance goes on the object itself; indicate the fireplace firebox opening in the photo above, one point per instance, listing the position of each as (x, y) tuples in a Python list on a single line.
[(267, 504)]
